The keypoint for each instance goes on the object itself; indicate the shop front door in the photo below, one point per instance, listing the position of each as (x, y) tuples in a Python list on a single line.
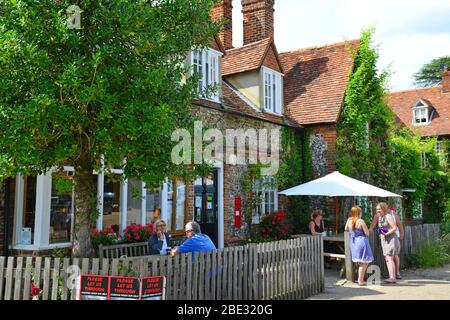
[(206, 205)]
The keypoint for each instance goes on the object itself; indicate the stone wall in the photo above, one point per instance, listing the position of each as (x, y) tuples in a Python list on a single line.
[(234, 175)]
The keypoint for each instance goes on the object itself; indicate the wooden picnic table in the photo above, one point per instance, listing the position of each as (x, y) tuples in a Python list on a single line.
[(339, 241)]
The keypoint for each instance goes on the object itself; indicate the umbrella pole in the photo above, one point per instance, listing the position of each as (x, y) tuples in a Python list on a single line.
[(337, 214)]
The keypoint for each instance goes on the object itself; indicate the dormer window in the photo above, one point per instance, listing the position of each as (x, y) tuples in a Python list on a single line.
[(206, 63), (272, 91), (420, 114)]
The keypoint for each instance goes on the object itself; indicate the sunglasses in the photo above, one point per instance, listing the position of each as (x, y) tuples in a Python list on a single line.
[(187, 231)]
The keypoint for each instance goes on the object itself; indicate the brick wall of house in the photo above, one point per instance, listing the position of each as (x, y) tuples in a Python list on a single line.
[(258, 20), (271, 61)]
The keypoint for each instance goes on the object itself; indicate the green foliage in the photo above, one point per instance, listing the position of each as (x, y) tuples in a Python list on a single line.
[(445, 226), (363, 149), (370, 148), (295, 168), (429, 179), (430, 74), (113, 90), (432, 255)]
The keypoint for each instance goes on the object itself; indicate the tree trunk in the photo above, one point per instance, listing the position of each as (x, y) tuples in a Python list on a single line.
[(85, 210)]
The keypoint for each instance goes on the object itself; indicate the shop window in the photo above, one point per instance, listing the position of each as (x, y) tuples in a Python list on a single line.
[(152, 205), (134, 201), (29, 211), (176, 201), (265, 196), (61, 207), (111, 202)]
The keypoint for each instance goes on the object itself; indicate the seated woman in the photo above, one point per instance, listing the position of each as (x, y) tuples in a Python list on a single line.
[(159, 242), (316, 224)]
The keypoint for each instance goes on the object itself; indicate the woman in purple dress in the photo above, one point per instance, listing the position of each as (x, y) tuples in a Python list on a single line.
[(359, 242)]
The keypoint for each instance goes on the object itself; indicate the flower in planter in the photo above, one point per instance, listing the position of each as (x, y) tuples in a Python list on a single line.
[(138, 233)]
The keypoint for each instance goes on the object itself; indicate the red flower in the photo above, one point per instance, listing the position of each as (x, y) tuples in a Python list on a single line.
[(35, 291), (128, 236), (263, 230)]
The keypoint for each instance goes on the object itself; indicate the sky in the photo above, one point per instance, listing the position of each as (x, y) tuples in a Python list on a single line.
[(408, 33)]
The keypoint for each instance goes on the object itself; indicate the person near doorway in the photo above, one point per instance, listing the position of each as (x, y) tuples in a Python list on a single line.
[(159, 242), (196, 242), (359, 242), (390, 243)]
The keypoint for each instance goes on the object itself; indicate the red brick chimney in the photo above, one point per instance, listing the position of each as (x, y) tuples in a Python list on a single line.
[(446, 80), (225, 10), (258, 20)]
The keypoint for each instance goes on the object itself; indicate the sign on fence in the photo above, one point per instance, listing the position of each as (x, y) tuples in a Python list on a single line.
[(95, 287)]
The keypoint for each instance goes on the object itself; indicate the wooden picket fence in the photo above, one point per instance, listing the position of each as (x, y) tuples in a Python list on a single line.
[(414, 240), (291, 269)]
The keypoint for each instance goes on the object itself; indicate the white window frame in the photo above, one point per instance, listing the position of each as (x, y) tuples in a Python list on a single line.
[(260, 189), (420, 111), (272, 85), (424, 160), (41, 239), (208, 65)]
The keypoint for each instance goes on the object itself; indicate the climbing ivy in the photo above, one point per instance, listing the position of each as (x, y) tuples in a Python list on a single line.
[(363, 148), (371, 148), (295, 168)]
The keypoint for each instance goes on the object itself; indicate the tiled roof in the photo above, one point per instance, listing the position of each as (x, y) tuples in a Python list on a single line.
[(402, 102), (315, 81), (245, 58)]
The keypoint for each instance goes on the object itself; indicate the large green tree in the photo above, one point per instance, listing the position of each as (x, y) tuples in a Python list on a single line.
[(430, 74), (114, 89)]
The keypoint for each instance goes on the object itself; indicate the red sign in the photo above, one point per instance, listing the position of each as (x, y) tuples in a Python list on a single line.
[(124, 288), (237, 212), (153, 288), (94, 287)]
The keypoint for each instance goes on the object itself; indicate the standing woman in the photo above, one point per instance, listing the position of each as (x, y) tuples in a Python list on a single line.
[(359, 242), (389, 241), (316, 223)]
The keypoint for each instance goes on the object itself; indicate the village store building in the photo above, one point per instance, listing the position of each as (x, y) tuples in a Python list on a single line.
[(250, 96), (258, 89)]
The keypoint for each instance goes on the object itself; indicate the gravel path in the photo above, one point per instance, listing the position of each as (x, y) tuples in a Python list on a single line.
[(419, 284)]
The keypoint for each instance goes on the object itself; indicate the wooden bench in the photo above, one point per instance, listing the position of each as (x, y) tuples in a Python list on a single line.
[(136, 249)]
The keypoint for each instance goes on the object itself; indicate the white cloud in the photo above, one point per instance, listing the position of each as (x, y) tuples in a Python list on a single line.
[(410, 32)]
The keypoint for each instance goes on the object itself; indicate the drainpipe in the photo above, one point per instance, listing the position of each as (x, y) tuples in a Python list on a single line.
[(6, 217)]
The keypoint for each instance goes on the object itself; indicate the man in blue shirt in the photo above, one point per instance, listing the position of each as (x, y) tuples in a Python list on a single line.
[(196, 242)]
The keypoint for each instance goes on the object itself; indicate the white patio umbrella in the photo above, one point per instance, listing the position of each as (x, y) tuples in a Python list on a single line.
[(338, 185), (335, 185)]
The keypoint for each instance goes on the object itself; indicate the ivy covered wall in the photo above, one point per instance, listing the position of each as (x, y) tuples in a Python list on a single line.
[(371, 148)]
